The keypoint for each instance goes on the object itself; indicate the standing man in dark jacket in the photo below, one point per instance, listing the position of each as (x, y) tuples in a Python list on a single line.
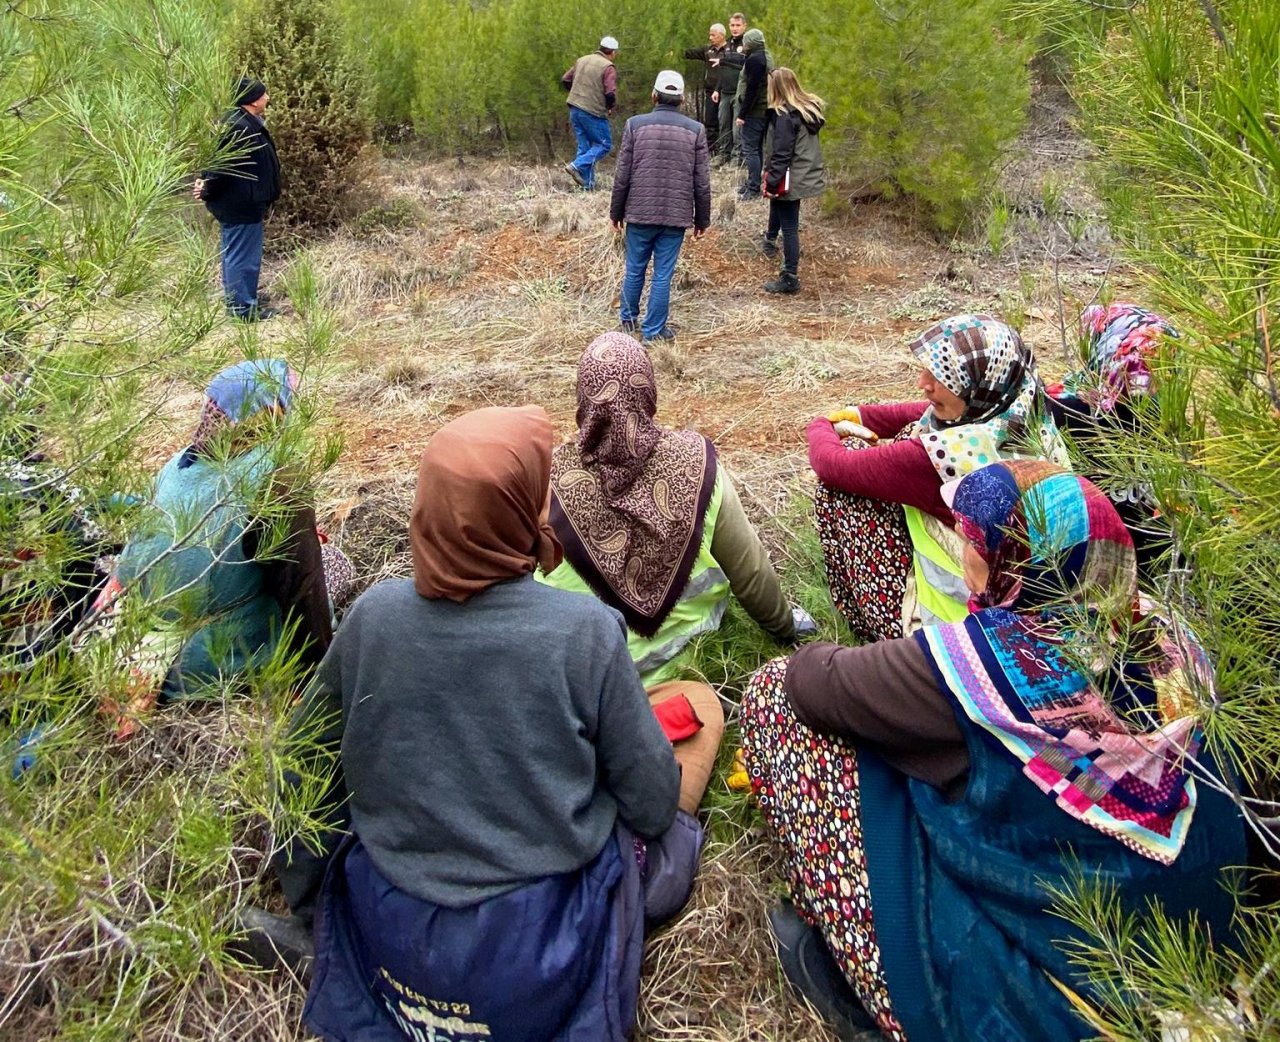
[(239, 195), (713, 54), (753, 109), (730, 65), (661, 188), (592, 84)]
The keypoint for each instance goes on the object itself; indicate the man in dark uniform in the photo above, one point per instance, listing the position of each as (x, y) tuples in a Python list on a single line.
[(709, 102), (239, 195)]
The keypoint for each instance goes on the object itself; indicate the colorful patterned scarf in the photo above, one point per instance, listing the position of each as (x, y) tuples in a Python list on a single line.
[(984, 362), (628, 498), (1108, 739), (238, 393), (1117, 343)]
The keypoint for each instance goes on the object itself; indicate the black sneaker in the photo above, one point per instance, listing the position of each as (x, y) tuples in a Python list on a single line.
[(665, 335), (811, 969), (784, 283), (271, 941), (259, 314), (768, 247)]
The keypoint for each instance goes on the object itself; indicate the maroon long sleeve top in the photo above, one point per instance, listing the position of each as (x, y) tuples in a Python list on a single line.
[(898, 472)]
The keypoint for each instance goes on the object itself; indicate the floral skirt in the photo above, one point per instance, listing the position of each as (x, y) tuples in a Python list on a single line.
[(807, 787), (867, 552)]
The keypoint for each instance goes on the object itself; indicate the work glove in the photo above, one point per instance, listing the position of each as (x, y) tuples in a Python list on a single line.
[(738, 779), (806, 628), (849, 429), (849, 412)]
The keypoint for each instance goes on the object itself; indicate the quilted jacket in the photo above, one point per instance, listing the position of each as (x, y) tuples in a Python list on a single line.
[(663, 174)]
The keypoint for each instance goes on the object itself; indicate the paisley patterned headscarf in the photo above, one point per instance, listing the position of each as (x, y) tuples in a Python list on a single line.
[(628, 497), (1107, 739), (984, 362)]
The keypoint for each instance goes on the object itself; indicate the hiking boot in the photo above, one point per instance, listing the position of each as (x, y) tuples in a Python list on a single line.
[(628, 325), (809, 966), (746, 193), (784, 283), (769, 248), (258, 314), (576, 174), (271, 941)]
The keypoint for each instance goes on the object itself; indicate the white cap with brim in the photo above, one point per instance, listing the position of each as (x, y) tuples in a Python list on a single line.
[(608, 44), (669, 83)]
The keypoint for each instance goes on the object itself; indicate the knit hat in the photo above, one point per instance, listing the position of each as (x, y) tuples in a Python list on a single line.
[(753, 39), (669, 83), (608, 44), (249, 91)]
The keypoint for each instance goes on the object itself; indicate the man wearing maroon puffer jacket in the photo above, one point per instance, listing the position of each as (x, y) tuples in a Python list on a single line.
[(661, 188)]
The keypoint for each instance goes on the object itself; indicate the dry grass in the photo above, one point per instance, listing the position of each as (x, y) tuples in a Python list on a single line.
[(484, 290)]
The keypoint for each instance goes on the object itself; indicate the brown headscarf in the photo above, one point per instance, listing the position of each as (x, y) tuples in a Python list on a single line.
[(629, 497), (479, 514)]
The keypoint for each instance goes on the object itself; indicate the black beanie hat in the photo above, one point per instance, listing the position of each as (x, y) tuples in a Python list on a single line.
[(249, 91)]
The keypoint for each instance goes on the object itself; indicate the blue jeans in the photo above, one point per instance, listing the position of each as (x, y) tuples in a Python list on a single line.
[(241, 249), (753, 131), (595, 141), (661, 242)]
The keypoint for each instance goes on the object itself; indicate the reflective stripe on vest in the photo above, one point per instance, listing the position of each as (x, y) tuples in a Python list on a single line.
[(941, 593)]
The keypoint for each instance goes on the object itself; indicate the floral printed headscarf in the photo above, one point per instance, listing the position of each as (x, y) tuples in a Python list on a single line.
[(1118, 343)]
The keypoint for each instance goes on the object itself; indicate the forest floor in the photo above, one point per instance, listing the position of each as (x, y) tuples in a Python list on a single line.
[(480, 282)]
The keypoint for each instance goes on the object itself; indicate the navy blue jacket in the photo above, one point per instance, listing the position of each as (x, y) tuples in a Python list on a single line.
[(243, 190)]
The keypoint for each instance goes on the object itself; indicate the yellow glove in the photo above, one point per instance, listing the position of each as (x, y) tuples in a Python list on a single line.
[(738, 779), (849, 412)]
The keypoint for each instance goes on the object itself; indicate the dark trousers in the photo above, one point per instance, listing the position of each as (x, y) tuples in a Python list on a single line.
[(784, 217), (710, 116), (753, 130), (241, 248), (727, 142)]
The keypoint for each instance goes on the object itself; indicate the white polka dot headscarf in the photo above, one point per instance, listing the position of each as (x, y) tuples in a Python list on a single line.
[(977, 358)]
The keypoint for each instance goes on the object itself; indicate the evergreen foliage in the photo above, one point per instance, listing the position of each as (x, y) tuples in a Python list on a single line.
[(122, 861), (320, 115), (1180, 98)]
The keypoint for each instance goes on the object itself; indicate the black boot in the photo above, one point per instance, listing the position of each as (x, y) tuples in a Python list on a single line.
[(784, 283), (270, 941), (809, 966)]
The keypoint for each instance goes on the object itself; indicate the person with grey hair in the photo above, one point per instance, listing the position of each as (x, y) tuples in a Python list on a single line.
[(661, 189), (709, 101)]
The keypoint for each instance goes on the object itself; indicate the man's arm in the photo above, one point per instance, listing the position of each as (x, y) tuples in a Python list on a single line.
[(701, 183), (696, 54), (609, 80), (566, 81), (622, 178)]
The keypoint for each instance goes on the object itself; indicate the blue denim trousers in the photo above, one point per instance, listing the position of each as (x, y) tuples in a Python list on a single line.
[(753, 131), (661, 242), (241, 248), (595, 141)]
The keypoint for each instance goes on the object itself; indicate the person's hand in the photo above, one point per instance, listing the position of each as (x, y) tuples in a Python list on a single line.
[(849, 412), (740, 122), (197, 189), (697, 232), (713, 62), (848, 429), (806, 628), (715, 96), (617, 225)]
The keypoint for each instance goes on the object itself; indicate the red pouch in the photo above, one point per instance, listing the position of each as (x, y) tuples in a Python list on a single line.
[(677, 718)]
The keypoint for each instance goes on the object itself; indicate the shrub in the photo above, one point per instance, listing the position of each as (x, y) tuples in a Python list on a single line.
[(319, 115)]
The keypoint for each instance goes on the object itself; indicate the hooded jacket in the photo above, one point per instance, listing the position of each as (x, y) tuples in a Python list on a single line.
[(795, 148), (753, 86)]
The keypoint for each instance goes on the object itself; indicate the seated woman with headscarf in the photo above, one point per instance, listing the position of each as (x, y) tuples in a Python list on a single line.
[(931, 791), (205, 557), (1107, 398), (892, 560), (650, 522), (513, 801)]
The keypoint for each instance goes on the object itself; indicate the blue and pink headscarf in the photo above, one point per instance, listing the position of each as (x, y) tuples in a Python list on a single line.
[(1105, 732), (240, 392)]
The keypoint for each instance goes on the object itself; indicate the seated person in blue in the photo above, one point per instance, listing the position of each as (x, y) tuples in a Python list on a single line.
[(512, 814), (200, 557), (930, 791)]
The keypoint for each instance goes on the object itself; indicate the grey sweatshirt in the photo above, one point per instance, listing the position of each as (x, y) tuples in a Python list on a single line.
[(487, 744)]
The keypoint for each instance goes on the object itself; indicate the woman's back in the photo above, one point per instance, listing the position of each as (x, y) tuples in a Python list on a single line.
[(493, 742)]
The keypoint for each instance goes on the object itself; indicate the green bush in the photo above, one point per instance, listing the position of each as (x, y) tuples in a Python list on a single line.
[(320, 113)]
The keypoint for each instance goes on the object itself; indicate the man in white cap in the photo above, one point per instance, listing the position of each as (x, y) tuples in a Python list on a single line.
[(661, 188), (592, 84)]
